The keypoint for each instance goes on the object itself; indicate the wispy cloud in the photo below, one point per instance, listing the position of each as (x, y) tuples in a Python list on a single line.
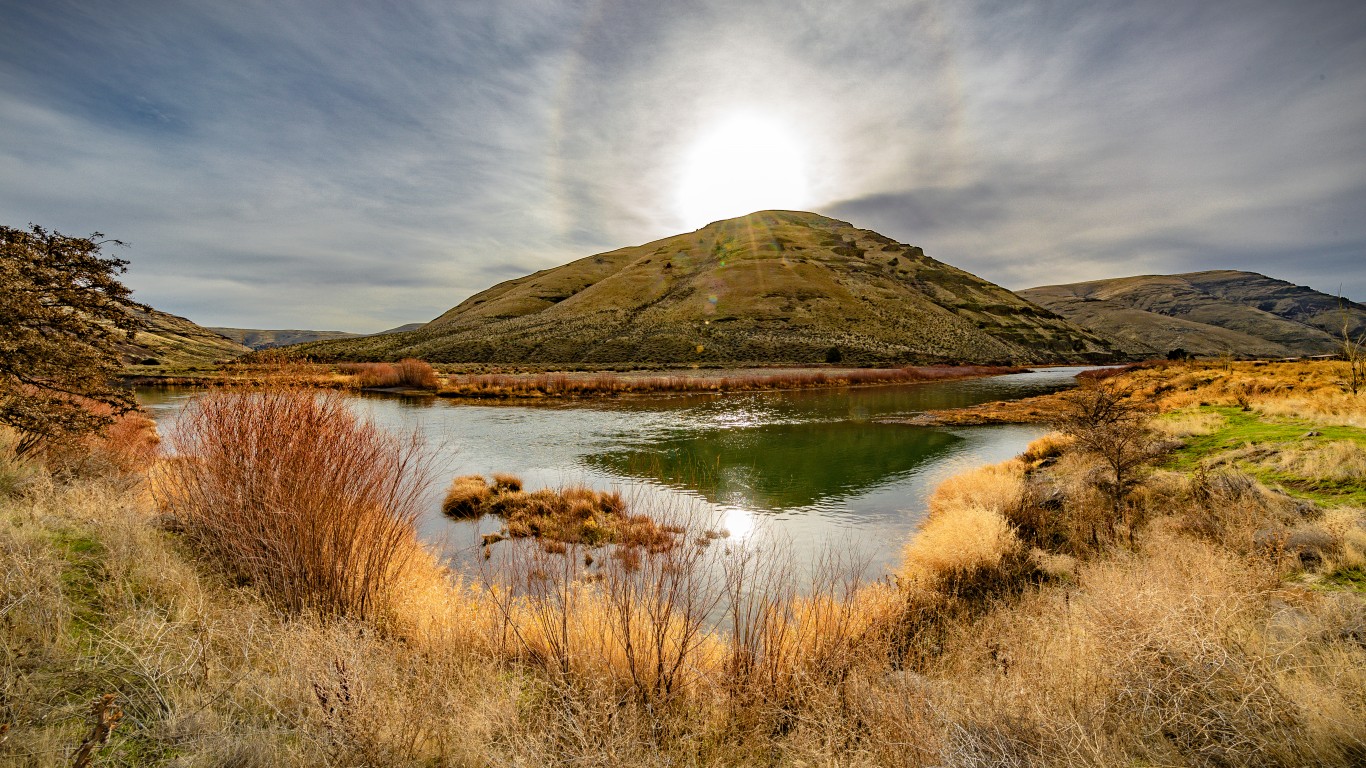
[(357, 166)]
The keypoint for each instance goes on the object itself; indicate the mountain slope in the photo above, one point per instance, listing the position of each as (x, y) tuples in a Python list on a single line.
[(770, 287), (266, 339), (1245, 314), (175, 341)]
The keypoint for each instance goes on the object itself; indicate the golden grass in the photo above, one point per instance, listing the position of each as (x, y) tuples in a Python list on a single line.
[(968, 539), (1189, 423), (1203, 642), (557, 517), (1304, 391), (1338, 461), (466, 497)]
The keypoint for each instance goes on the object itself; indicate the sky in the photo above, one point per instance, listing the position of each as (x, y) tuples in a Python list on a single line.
[(357, 166)]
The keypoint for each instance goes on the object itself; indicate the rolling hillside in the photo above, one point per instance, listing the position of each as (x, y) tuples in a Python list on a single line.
[(770, 287), (173, 341), (1244, 314)]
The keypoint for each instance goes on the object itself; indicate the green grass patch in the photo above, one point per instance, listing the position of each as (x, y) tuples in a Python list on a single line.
[(1349, 579), (82, 576), (1244, 430)]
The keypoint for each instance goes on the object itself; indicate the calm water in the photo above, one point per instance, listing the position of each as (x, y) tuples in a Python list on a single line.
[(812, 469)]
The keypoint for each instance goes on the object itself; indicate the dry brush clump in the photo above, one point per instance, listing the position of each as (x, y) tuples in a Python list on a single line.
[(290, 490), (407, 373), (130, 444), (557, 516)]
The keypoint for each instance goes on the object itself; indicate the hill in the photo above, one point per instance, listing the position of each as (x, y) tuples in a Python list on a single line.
[(263, 339), (770, 287), (1244, 314), (174, 341)]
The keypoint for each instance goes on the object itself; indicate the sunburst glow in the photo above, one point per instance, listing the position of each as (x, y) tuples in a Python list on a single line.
[(745, 164)]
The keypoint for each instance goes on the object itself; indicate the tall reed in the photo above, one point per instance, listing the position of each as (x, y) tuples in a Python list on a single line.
[(290, 490), (495, 385)]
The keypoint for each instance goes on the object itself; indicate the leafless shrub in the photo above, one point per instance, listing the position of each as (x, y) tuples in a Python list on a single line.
[(416, 374), (291, 491), (1111, 423), (377, 376)]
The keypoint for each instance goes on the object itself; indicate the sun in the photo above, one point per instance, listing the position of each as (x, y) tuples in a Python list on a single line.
[(746, 163)]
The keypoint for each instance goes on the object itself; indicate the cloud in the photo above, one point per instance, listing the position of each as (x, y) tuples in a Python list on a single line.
[(357, 167)]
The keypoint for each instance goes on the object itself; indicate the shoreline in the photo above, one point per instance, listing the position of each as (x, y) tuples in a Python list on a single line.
[(587, 385)]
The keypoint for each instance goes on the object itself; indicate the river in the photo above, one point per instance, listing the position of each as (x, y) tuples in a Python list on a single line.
[(811, 469)]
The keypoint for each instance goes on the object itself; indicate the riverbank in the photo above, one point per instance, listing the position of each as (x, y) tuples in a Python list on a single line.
[(460, 383), (1216, 619)]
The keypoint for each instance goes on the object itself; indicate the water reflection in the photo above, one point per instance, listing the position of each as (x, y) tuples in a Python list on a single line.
[(812, 467), (782, 467)]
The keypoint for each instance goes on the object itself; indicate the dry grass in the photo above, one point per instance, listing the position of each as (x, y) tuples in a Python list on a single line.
[(1337, 461), (261, 370), (291, 491), (971, 538), (466, 497), (571, 385), (1303, 391), (1189, 423), (559, 517), (1019, 640)]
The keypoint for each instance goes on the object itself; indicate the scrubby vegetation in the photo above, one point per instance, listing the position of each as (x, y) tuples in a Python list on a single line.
[(289, 490), (411, 374), (1216, 620), (569, 385), (557, 517)]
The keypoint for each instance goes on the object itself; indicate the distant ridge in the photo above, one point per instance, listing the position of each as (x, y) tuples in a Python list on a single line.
[(265, 339), (1244, 314), (770, 287)]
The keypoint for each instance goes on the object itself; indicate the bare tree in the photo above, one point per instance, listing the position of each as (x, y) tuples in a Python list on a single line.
[(1353, 351), (1111, 423)]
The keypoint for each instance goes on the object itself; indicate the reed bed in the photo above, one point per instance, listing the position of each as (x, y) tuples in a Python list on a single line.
[(408, 373), (575, 385)]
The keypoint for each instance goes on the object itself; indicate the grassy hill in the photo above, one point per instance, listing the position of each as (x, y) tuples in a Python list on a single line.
[(174, 341), (263, 339), (770, 287), (1206, 313)]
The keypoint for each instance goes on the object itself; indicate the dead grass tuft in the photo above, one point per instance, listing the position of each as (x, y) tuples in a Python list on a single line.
[(466, 497), (1337, 461)]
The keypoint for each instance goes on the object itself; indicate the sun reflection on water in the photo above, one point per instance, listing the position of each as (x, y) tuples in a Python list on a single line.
[(738, 522)]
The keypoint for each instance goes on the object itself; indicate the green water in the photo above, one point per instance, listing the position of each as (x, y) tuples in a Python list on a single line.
[(783, 467), (812, 469)]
